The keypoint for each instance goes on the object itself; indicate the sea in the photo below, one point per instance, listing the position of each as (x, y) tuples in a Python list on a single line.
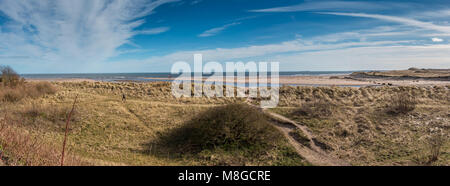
[(111, 77)]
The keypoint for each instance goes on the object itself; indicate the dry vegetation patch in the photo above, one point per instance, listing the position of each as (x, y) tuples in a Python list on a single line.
[(375, 125), (19, 147)]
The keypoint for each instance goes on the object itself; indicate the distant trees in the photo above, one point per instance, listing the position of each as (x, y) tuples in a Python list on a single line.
[(9, 77), (413, 69)]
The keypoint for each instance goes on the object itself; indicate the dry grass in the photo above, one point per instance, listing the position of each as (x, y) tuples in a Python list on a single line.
[(360, 131), (20, 147), (436, 142), (36, 113), (317, 108), (25, 90)]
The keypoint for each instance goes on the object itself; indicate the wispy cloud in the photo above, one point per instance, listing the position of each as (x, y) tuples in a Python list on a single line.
[(195, 2), (215, 31), (153, 31), (320, 43), (401, 20), (82, 31), (303, 56), (436, 39), (335, 6)]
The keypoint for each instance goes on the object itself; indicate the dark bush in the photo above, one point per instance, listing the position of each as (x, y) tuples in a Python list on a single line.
[(9, 77), (230, 127)]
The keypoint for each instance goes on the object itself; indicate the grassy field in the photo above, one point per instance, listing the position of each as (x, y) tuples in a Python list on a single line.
[(363, 126)]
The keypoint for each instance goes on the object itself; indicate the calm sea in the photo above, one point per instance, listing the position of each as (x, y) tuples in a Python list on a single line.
[(111, 77)]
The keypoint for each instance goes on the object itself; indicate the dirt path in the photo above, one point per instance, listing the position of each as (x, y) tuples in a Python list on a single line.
[(313, 153)]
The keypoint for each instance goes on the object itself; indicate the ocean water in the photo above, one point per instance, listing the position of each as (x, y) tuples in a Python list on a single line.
[(114, 77)]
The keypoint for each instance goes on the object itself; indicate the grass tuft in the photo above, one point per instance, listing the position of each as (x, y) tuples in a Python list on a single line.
[(401, 103)]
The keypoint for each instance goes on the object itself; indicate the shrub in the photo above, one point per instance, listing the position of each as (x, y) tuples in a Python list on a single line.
[(235, 134), (234, 126), (9, 77), (401, 103)]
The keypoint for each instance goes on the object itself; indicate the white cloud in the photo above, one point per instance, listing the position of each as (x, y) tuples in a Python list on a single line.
[(195, 2), (369, 58), (258, 52), (435, 39), (335, 6), (350, 56), (401, 20), (444, 13), (81, 31), (375, 48), (153, 31), (215, 31)]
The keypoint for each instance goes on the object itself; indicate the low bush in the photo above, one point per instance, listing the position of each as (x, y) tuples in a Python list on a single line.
[(234, 126), (235, 134), (9, 77), (401, 103)]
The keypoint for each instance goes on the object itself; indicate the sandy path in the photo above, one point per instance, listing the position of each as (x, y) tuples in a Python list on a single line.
[(313, 154)]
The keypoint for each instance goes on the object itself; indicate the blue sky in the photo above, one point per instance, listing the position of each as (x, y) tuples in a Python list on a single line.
[(88, 36)]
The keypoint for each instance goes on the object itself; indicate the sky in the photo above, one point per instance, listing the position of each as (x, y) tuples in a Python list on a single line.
[(108, 36)]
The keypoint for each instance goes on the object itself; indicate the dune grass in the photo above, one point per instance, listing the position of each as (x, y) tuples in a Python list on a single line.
[(375, 125)]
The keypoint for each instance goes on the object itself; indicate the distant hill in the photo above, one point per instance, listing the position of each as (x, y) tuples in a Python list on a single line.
[(411, 73)]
